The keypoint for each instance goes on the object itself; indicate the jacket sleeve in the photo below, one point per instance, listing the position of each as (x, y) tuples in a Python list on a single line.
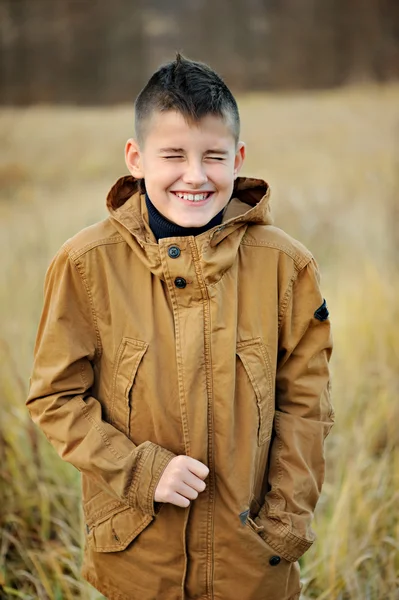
[(67, 346), (303, 418)]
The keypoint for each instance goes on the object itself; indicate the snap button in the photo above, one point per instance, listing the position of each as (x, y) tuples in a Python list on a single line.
[(274, 561), (180, 282), (174, 252)]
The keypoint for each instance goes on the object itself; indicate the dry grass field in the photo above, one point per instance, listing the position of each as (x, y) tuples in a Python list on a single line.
[(332, 160)]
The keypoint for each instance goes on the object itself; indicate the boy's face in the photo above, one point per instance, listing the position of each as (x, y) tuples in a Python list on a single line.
[(189, 169)]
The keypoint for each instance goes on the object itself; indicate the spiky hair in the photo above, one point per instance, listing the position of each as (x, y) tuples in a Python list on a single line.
[(190, 88)]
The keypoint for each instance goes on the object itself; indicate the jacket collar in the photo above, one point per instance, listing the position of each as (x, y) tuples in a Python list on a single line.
[(249, 204)]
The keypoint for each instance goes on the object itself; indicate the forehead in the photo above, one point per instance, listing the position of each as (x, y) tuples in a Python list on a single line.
[(171, 130)]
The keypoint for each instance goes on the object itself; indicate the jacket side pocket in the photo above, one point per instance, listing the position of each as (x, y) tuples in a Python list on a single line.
[(111, 525), (255, 359), (128, 358)]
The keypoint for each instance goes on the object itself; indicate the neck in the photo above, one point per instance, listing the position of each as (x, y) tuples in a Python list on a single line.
[(162, 227)]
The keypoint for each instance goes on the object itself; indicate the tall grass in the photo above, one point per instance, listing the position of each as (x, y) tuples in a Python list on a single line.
[(357, 553), (332, 161), (40, 516)]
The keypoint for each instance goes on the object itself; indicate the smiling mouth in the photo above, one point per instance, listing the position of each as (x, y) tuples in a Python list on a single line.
[(200, 197)]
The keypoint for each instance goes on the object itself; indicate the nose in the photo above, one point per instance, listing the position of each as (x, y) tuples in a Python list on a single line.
[(194, 174)]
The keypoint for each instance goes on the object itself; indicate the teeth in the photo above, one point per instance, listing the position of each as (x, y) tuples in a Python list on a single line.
[(192, 197)]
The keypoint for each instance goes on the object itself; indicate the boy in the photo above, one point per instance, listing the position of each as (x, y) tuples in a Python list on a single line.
[(181, 364)]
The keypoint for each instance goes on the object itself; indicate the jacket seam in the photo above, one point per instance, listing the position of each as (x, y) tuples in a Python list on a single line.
[(136, 473), (79, 269), (99, 430), (300, 544), (306, 325), (79, 252), (278, 499), (155, 479), (300, 260), (286, 300), (288, 294), (83, 376), (133, 472), (147, 508)]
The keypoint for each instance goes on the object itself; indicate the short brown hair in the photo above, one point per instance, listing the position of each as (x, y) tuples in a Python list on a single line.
[(190, 88)]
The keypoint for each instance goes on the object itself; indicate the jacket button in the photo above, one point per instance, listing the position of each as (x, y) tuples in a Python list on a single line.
[(180, 282), (174, 252), (274, 561)]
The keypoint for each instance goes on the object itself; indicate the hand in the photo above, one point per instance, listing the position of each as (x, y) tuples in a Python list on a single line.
[(181, 481)]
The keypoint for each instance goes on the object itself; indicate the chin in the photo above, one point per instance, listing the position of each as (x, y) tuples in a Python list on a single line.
[(189, 223)]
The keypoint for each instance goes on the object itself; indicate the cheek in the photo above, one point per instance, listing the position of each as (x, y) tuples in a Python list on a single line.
[(166, 174), (222, 176), (160, 175)]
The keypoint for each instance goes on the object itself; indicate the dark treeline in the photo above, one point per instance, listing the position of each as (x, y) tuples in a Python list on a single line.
[(101, 52)]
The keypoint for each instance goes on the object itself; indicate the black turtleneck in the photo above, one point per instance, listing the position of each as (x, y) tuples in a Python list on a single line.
[(162, 227)]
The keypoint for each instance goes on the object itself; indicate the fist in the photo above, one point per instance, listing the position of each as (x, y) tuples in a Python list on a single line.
[(181, 481)]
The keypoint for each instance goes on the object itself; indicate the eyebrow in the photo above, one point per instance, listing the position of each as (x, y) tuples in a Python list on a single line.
[(181, 150), (221, 152), (172, 150)]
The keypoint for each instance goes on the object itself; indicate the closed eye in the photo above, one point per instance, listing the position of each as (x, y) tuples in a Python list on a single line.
[(221, 158)]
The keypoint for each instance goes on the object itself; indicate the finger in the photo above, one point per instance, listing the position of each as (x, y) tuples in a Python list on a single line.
[(186, 491), (179, 500), (193, 481), (197, 467)]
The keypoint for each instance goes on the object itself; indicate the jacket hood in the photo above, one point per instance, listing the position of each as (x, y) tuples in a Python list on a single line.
[(249, 203)]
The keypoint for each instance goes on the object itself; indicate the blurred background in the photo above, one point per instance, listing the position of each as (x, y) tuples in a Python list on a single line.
[(318, 90)]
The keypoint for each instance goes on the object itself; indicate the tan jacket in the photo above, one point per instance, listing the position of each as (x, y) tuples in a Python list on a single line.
[(219, 352)]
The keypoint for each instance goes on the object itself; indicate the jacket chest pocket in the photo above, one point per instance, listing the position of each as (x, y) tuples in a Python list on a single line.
[(256, 361), (128, 358)]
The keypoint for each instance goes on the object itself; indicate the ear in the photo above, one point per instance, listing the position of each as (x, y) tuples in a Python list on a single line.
[(133, 159), (239, 158)]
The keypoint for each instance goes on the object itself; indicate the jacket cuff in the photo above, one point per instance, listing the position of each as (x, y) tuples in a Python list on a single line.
[(146, 478), (280, 538)]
